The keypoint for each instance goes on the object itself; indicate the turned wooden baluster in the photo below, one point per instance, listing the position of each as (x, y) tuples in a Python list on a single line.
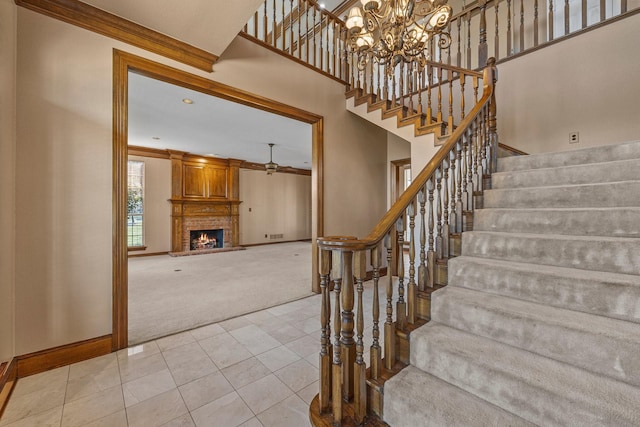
[(348, 343), (275, 25), (265, 23), (459, 53), (483, 48), (422, 268), (445, 204), (550, 20), (429, 84), (393, 87), (439, 238), (521, 25), (623, 6), (466, 174), (327, 51), (478, 155), (283, 30), (463, 79), (336, 377), (492, 110), (321, 43), (459, 185), (431, 252), (509, 35), (306, 31), (411, 285), (497, 31), (603, 10), (401, 84), (325, 334), (375, 352), (420, 89), (313, 34), (450, 119), (379, 88), (389, 326), (584, 13), (299, 19), (453, 215), (410, 73), (535, 23), (401, 305), (469, 40), (336, 48), (566, 17), (439, 114), (360, 368), (255, 24), (291, 28)]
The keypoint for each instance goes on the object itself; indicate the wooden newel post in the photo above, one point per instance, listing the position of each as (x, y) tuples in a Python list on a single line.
[(325, 335), (360, 368), (348, 343)]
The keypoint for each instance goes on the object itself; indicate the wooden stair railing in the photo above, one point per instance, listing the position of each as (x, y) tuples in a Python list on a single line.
[(432, 99), (302, 31), (437, 205)]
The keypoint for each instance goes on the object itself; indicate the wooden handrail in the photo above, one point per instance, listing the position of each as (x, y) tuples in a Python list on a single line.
[(397, 210)]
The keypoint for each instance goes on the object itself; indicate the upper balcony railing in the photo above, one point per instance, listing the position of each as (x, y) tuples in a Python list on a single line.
[(303, 31)]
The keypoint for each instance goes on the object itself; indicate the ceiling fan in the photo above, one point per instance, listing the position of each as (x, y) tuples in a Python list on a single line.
[(271, 167)]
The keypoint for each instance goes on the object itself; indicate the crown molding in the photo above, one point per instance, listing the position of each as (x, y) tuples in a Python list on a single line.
[(107, 24)]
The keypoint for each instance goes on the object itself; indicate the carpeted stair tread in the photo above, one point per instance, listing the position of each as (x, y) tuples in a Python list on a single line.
[(420, 399), (610, 194), (612, 254), (616, 222), (603, 293), (541, 390), (620, 170), (604, 153), (581, 339)]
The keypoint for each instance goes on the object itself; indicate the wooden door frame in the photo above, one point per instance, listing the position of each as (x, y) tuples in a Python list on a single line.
[(123, 63), (396, 185)]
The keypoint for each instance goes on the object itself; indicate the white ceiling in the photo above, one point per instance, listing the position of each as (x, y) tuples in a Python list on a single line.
[(209, 126), (212, 126)]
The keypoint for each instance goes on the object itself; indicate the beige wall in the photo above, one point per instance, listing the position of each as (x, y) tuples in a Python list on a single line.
[(586, 84), (64, 168), (157, 209), (275, 204), (8, 27), (397, 149)]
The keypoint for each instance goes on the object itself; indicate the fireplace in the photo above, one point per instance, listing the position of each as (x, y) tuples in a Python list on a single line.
[(206, 239)]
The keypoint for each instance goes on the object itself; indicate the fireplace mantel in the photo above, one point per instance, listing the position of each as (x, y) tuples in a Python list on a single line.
[(204, 196)]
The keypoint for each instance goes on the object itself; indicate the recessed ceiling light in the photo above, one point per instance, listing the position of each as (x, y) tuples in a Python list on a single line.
[(187, 101), (155, 138)]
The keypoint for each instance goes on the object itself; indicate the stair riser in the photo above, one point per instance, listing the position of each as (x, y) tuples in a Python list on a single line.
[(544, 336), (535, 400), (616, 299), (615, 222), (449, 406), (619, 194), (614, 255), (592, 155), (627, 170)]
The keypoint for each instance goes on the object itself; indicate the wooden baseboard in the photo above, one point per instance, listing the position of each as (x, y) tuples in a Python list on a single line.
[(34, 363), (8, 376), (275, 243), (147, 254)]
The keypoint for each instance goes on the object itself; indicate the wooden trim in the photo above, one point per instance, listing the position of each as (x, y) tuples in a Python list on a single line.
[(155, 153), (148, 254), (107, 24), (122, 64), (136, 248), (291, 57), (512, 150), (8, 377), (41, 361)]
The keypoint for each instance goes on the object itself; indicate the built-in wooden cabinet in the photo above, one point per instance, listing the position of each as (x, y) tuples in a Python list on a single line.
[(204, 181)]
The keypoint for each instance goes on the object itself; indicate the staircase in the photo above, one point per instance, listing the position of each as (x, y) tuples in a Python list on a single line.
[(540, 321)]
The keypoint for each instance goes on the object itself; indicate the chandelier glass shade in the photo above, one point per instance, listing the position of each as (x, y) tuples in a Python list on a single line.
[(271, 167), (394, 31)]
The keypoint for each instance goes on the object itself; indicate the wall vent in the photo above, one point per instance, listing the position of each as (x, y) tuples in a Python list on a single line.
[(276, 236)]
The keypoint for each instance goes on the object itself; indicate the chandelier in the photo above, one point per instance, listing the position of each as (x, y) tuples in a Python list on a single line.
[(392, 31)]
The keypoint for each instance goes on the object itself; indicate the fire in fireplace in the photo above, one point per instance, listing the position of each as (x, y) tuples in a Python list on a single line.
[(206, 239)]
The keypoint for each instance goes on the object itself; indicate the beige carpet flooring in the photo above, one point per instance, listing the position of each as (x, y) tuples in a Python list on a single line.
[(169, 295)]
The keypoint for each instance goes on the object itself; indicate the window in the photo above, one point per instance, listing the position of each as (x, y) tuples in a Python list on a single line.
[(135, 204)]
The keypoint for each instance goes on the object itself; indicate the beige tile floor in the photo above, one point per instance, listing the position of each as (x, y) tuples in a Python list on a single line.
[(256, 370)]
